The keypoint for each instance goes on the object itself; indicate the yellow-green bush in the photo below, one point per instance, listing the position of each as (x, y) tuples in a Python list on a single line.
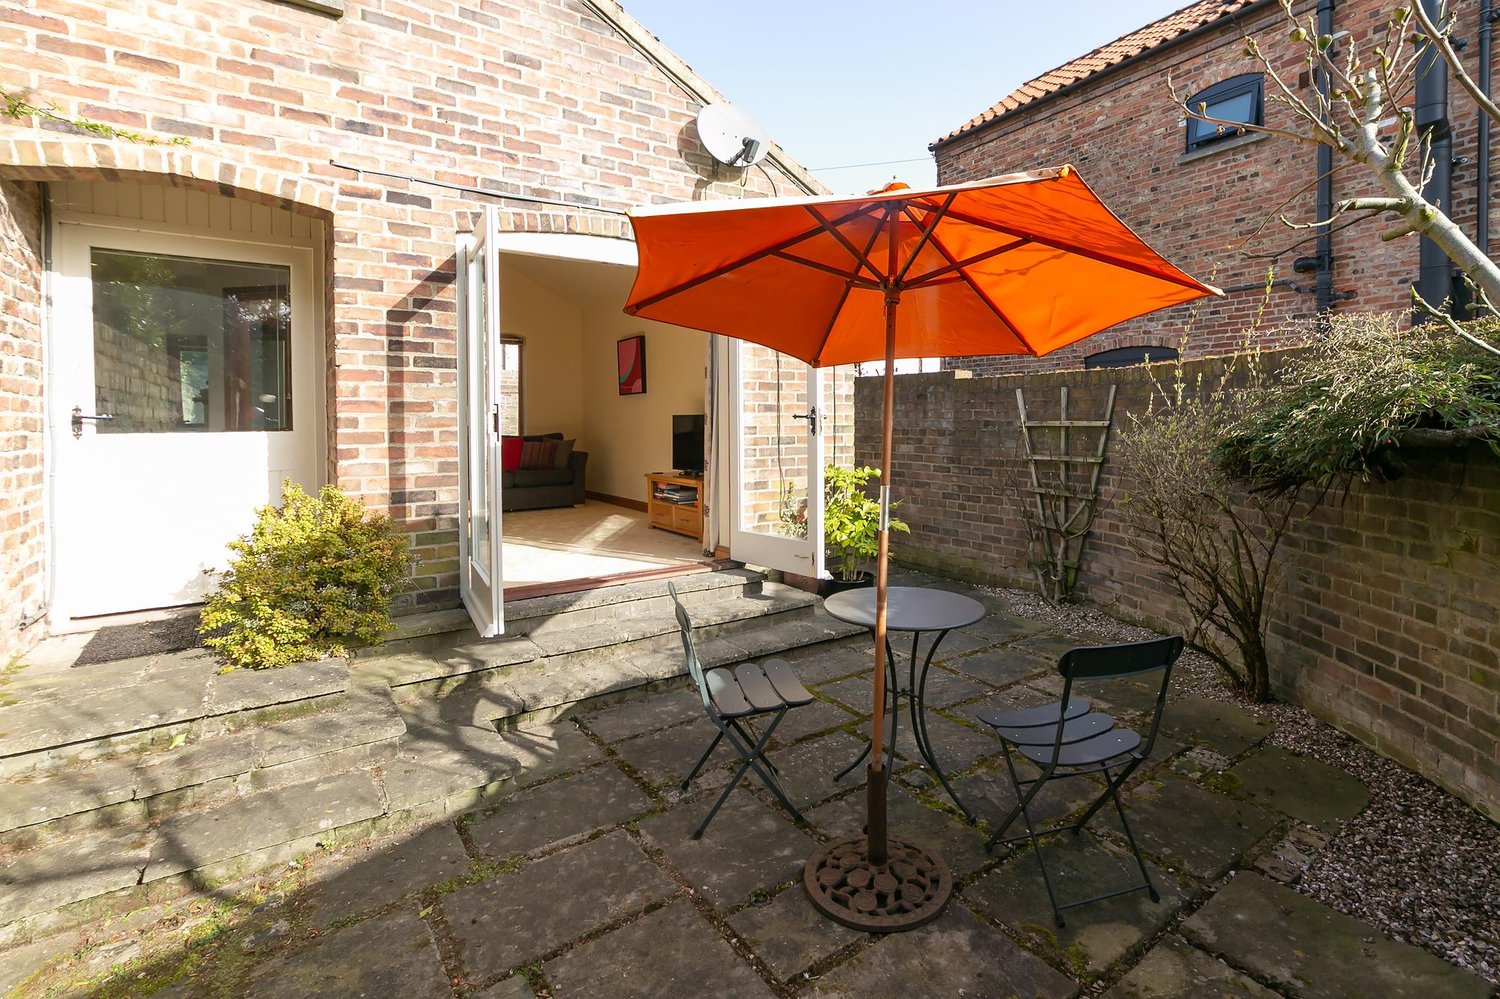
[(310, 579)]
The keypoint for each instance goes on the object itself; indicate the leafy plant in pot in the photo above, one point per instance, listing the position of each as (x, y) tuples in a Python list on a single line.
[(851, 527)]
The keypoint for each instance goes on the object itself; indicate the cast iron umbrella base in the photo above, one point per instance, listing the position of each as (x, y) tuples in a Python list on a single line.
[(904, 887)]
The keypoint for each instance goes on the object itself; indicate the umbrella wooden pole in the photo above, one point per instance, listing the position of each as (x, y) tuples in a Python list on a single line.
[(876, 781)]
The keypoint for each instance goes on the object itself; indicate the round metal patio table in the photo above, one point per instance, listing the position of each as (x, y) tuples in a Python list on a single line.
[(916, 609)]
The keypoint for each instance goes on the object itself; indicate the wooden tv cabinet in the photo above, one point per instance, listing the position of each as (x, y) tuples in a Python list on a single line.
[(680, 518)]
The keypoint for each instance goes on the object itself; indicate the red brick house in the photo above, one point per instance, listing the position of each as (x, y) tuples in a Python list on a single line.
[(183, 326), (1196, 195)]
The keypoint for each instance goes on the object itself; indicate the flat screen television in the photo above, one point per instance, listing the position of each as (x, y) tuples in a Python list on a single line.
[(687, 444)]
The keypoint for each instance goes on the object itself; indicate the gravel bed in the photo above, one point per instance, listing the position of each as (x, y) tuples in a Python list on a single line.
[(1418, 863)]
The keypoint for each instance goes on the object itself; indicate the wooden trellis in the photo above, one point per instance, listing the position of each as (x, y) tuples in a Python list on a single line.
[(1064, 489)]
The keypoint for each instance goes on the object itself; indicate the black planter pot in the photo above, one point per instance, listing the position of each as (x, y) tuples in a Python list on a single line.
[(828, 587)]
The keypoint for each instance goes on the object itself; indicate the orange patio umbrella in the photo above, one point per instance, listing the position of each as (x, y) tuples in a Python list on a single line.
[(1020, 264)]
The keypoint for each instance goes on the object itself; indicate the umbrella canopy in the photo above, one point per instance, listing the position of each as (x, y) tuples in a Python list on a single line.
[(1020, 264)]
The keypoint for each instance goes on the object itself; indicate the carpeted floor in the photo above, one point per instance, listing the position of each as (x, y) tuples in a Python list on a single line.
[(589, 541)]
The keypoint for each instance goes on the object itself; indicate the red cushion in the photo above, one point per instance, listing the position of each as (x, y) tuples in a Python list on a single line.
[(510, 453)]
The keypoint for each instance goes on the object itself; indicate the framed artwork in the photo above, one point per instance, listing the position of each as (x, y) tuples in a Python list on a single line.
[(630, 358)]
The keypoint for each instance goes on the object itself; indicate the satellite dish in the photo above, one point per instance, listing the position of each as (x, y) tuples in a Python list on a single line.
[(731, 136)]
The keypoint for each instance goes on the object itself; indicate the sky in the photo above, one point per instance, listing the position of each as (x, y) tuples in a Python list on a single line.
[(843, 82)]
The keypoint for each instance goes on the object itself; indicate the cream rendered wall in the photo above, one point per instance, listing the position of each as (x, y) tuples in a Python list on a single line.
[(552, 392), (632, 434)]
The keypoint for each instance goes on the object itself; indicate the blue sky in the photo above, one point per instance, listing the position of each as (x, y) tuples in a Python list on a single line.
[(840, 82)]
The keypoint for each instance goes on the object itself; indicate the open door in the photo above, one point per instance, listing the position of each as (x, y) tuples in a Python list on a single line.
[(479, 541), (776, 460)]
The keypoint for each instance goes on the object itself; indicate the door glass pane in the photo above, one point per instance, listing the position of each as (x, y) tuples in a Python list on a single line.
[(510, 385), (774, 458), (479, 418), (189, 345)]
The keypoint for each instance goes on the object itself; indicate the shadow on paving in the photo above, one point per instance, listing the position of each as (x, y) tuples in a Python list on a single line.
[(579, 877)]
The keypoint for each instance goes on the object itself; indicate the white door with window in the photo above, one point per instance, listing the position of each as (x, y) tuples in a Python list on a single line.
[(776, 460), (480, 395), (185, 385)]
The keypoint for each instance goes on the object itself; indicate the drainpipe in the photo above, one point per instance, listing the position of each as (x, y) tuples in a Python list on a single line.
[(1323, 285), (1482, 182), (1435, 271)]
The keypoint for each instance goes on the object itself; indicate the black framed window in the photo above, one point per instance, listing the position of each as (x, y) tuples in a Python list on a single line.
[(1240, 98), (1124, 357)]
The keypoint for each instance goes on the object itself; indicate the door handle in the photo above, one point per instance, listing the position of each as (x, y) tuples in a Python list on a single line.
[(79, 416), (811, 416)]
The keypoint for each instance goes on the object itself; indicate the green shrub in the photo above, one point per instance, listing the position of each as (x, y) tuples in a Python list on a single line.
[(310, 579), (851, 519), (1339, 411)]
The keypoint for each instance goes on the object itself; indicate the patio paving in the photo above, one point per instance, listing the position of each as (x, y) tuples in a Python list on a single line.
[(581, 877)]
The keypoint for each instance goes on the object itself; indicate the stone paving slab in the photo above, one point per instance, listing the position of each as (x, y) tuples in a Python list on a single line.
[(999, 667), (515, 918), (560, 810), (956, 955), (999, 626), (1192, 829), (1096, 935), (944, 689), (991, 797), (1176, 970), (1050, 647), (672, 953), (812, 719), (664, 758), (367, 880), (959, 844), (191, 840), (1301, 786), (1222, 727), (749, 847), (789, 935), (1316, 953), (389, 955), (243, 689), (623, 721), (514, 987), (32, 726), (821, 664)]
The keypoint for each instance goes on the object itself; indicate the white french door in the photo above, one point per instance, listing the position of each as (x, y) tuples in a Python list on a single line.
[(479, 538), (185, 383), (776, 460)]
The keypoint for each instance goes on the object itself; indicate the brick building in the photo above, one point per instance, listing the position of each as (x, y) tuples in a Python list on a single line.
[(182, 326), (1196, 196)]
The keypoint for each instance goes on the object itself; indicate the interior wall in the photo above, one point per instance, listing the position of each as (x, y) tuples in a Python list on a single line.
[(552, 391), (632, 434)]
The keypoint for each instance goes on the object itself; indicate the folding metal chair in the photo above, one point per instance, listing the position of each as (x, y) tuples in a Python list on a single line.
[(1066, 739), (732, 698)]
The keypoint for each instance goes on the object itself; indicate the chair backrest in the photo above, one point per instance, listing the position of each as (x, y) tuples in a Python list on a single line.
[(689, 650), (1110, 662)]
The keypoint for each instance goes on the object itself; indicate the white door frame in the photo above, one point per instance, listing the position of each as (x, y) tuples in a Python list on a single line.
[(799, 556), (480, 583), (70, 382)]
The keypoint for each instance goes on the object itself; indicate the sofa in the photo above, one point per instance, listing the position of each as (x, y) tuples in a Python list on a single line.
[(539, 488)]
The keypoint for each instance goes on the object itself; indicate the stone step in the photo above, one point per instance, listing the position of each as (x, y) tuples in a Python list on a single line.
[(548, 687), (436, 665), (86, 715), (140, 787)]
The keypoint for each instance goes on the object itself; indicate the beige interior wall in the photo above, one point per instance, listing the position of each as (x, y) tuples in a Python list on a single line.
[(552, 393), (631, 435)]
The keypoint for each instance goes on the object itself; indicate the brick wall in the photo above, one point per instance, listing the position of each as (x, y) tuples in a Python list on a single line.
[(1384, 622), (542, 98), (22, 538), (1126, 138)]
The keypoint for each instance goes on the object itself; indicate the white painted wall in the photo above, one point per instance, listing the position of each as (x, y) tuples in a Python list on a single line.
[(631, 435), (552, 393)]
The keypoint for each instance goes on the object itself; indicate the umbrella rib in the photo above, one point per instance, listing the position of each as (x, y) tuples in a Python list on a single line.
[(989, 302), (932, 276), (833, 318), (927, 233), (860, 259), (829, 268), (749, 258), (1058, 244)]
